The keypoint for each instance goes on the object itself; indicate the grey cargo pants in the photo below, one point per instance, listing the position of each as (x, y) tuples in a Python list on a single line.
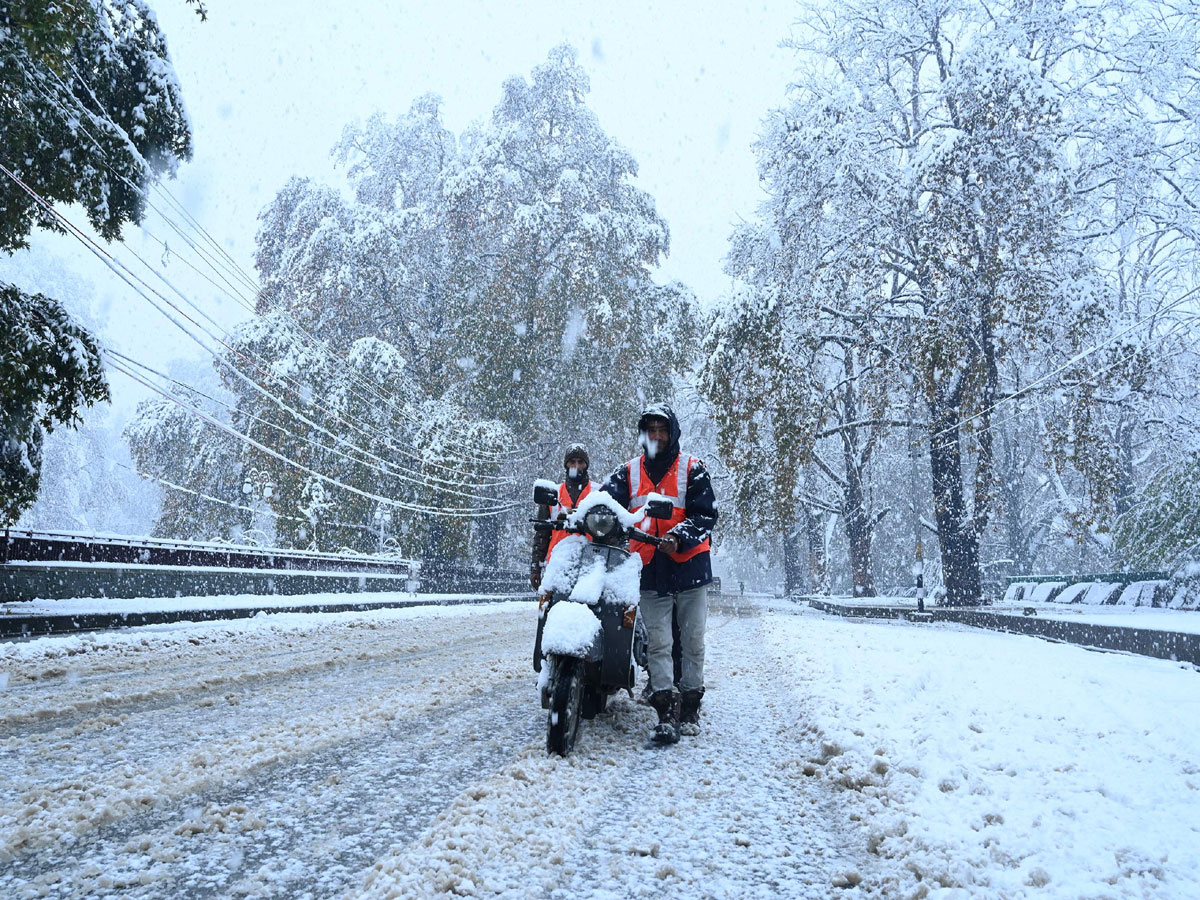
[(692, 611)]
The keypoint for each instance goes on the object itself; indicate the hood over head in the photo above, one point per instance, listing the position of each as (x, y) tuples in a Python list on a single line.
[(576, 476), (663, 411)]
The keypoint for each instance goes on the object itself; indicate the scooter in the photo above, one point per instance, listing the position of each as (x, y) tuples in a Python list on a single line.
[(590, 634)]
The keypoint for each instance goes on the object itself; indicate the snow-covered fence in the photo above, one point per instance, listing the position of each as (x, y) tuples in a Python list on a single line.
[(59, 565), (1116, 589)]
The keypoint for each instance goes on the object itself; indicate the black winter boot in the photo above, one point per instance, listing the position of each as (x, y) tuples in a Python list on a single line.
[(666, 704), (643, 698), (689, 715)]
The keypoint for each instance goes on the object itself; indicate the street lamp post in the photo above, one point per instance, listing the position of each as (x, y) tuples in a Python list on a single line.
[(383, 520), (257, 487)]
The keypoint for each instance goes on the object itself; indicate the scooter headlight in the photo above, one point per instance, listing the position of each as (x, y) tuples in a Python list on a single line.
[(600, 522)]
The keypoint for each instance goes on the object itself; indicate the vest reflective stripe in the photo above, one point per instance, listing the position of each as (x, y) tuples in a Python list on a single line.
[(565, 507), (678, 499), (673, 487)]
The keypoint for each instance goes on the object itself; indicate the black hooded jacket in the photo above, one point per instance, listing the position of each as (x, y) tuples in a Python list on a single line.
[(662, 574)]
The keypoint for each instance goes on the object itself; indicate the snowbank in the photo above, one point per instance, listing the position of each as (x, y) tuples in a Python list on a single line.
[(992, 766), (161, 638)]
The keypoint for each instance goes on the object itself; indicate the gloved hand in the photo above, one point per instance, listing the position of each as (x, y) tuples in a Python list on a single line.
[(669, 544), (535, 577)]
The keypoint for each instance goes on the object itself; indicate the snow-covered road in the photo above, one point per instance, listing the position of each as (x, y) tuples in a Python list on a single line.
[(400, 753)]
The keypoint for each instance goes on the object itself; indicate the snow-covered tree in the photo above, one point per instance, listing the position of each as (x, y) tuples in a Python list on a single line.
[(945, 184), (559, 328), (49, 370), (201, 461), (90, 113), (473, 296)]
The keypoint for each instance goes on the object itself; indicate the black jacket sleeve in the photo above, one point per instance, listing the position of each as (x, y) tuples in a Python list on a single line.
[(617, 485), (700, 508), (541, 538)]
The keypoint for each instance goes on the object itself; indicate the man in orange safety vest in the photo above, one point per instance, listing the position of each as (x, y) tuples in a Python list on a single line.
[(676, 573), (574, 487)]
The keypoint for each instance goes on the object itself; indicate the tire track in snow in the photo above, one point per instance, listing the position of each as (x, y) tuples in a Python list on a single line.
[(727, 814), (384, 708), (31, 706), (307, 827)]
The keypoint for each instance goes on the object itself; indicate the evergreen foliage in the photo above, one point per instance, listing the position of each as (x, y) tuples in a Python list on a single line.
[(49, 370), (90, 113), (1162, 529)]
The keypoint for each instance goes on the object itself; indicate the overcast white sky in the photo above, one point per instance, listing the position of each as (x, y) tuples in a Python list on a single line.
[(270, 84)]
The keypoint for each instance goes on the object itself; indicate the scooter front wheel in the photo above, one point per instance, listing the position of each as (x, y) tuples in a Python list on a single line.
[(566, 702)]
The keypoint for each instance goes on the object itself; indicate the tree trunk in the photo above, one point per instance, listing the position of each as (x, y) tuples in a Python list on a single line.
[(818, 563), (957, 537), (858, 533), (793, 561), (854, 508)]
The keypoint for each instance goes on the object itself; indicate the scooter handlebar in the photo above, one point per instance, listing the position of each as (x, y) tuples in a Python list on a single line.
[(633, 534), (644, 538)]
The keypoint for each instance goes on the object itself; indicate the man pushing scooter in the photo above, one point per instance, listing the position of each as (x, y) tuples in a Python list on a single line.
[(675, 574)]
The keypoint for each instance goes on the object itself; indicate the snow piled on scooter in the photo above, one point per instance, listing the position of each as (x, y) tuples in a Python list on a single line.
[(571, 628), (560, 571), (583, 575), (599, 498)]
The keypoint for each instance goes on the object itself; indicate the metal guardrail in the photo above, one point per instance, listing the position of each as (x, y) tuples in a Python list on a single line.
[(61, 565), (62, 546)]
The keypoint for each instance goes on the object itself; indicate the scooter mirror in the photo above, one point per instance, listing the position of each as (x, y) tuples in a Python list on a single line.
[(659, 509), (543, 495)]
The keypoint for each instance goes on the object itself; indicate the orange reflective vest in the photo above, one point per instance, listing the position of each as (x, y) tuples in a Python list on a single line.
[(564, 507), (673, 486)]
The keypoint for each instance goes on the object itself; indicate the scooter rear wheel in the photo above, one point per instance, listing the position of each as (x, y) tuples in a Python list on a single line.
[(566, 702)]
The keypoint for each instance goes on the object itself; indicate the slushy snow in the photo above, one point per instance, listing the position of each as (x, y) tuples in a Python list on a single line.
[(401, 753)]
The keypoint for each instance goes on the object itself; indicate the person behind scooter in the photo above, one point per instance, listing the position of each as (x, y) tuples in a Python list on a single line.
[(675, 574), (574, 487)]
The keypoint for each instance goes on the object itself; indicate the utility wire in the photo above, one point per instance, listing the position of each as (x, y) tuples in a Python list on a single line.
[(123, 272), (284, 431), (210, 499), (465, 446), (469, 513)]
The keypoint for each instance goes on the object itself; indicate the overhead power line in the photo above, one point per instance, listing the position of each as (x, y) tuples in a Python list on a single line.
[(464, 446), (455, 512)]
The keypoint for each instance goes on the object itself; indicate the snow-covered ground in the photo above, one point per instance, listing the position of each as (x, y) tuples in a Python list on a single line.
[(1002, 765), (399, 753)]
